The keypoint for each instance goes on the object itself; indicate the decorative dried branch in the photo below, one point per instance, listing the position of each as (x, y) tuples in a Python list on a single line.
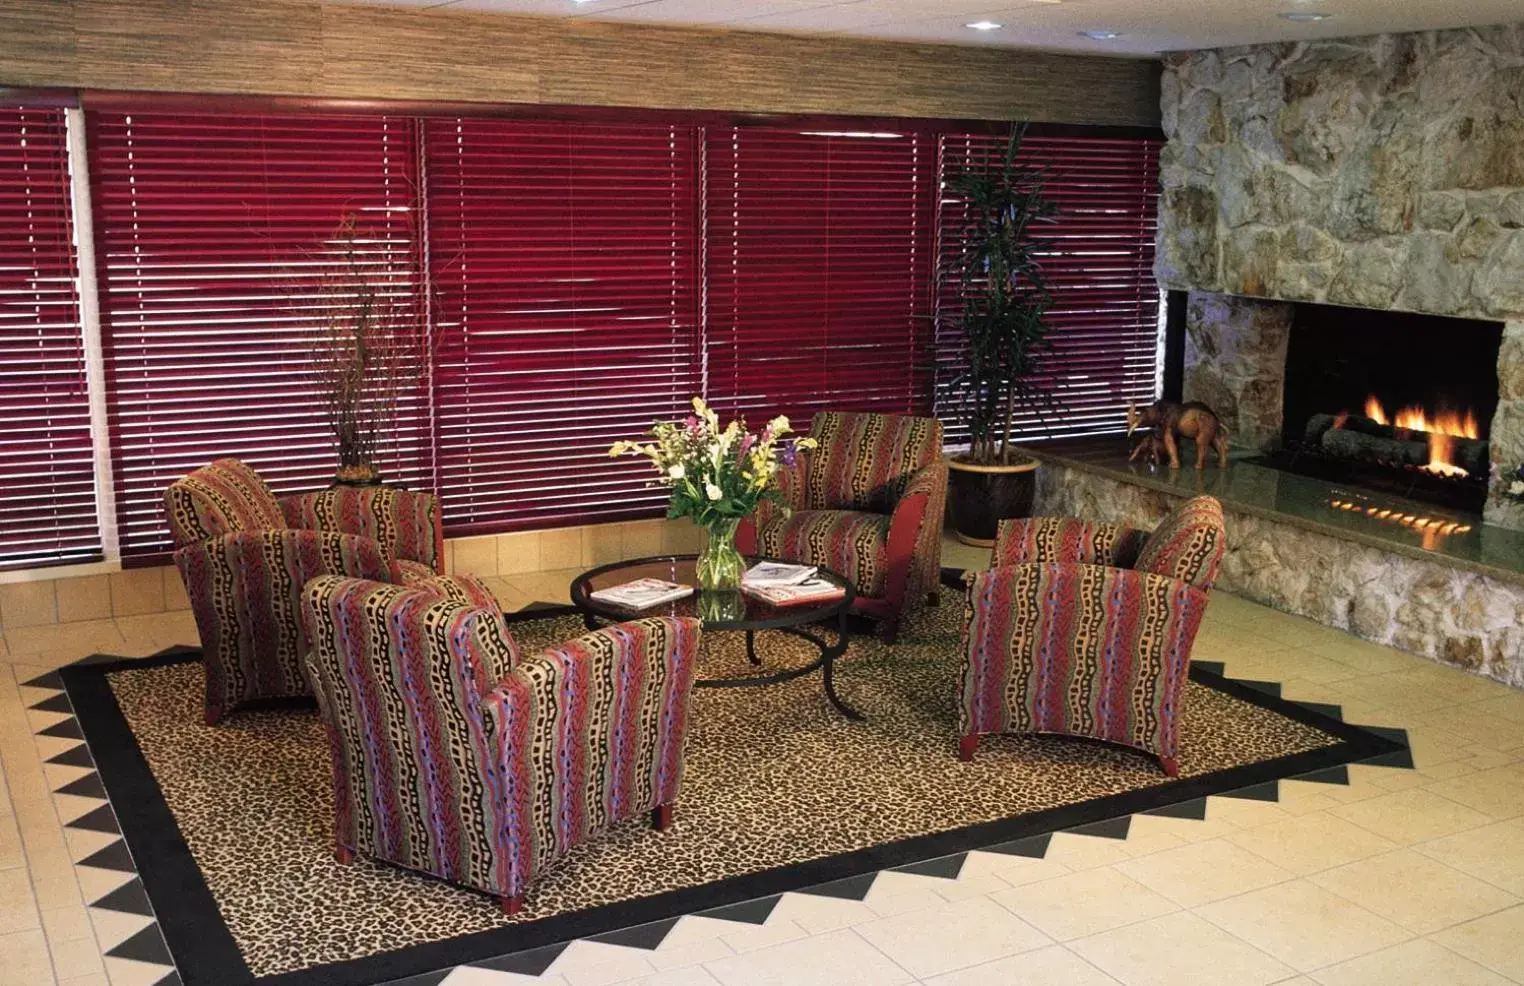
[(368, 345)]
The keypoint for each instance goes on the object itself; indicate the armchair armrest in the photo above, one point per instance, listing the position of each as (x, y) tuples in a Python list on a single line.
[(1065, 539), (913, 555), (245, 593), (406, 523), (591, 733), (1081, 649), (791, 486)]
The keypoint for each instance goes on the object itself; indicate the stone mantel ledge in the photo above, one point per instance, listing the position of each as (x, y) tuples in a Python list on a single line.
[(1460, 602)]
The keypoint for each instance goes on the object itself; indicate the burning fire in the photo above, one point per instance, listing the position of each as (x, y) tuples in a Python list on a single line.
[(1442, 430)]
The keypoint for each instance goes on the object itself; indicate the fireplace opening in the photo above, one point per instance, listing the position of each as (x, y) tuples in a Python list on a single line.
[(1392, 402)]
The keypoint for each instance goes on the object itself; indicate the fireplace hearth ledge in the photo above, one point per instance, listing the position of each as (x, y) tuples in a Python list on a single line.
[(1460, 602)]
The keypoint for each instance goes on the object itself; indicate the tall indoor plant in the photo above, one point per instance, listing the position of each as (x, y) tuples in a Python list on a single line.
[(1003, 323), (366, 348)]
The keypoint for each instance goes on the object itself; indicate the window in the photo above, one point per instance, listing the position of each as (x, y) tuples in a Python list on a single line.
[(212, 232), (818, 271), (575, 279), (1104, 322), (565, 274), (47, 474)]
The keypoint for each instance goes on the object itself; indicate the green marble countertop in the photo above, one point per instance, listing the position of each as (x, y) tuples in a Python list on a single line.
[(1307, 503)]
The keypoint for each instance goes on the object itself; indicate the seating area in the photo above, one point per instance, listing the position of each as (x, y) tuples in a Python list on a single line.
[(761, 493)]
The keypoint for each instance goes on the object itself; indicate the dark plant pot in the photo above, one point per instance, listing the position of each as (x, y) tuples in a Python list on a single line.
[(980, 497), (365, 474)]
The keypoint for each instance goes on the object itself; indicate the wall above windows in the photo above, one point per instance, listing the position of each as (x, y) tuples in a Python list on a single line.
[(580, 277), (360, 52)]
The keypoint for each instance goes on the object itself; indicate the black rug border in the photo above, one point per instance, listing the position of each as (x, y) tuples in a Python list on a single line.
[(206, 953)]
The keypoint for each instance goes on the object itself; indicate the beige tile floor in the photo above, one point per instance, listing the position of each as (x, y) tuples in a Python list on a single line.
[(1402, 878)]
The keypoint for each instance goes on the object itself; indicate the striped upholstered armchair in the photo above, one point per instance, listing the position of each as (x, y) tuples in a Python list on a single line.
[(866, 502), (245, 553), (1086, 629), (455, 755)]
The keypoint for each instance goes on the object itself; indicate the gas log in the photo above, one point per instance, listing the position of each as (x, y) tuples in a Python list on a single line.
[(1358, 437)]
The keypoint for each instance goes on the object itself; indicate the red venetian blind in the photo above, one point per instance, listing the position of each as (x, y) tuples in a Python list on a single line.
[(818, 267), (212, 232), (47, 483), (1104, 322), (564, 268)]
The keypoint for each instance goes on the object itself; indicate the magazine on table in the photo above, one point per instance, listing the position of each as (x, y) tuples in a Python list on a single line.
[(810, 591), (642, 593), (778, 573)]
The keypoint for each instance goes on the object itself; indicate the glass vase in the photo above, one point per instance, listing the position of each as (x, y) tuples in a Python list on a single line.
[(720, 565)]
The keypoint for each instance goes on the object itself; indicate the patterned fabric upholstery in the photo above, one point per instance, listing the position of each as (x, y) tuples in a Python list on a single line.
[(220, 498), (865, 461), (844, 541), (1082, 650), (1188, 544), (414, 571), (444, 764), (245, 591), (407, 523), (244, 555), (1065, 539), (885, 469)]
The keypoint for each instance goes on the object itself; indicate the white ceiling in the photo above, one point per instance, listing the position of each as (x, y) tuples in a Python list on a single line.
[(1145, 26)]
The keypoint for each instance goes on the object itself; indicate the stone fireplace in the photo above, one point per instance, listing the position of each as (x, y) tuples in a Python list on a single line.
[(1396, 402), (1380, 182), (1382, 173)]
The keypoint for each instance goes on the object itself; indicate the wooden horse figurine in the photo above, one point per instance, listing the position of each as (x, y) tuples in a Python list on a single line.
[(1173, 422)]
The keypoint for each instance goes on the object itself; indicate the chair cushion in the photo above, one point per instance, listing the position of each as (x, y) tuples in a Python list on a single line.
[(864, 461), (1188, 544), (224, 497), (415, 571), (845, 541)]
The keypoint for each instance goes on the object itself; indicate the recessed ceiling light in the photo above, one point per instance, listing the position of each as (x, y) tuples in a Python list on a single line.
[(985, 26), (1100, 35), (1304, 16)]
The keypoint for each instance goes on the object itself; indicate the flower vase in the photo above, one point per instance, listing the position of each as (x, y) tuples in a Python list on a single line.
[(720, 565)]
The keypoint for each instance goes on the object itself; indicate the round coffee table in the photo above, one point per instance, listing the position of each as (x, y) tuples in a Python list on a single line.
[(730, 610)]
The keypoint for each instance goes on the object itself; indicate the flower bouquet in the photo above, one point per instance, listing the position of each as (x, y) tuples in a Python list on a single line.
[(717, 476)]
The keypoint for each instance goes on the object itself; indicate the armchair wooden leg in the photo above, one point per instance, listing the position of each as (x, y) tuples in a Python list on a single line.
[(933, 598), (214, 714), (889, 630), (511, 905), (343, 854), (661, 817), (1171, 767), (967, 747)]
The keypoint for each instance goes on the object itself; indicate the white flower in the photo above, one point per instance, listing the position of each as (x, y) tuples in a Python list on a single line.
[(1516, 487), (715, 493), (676, 472)]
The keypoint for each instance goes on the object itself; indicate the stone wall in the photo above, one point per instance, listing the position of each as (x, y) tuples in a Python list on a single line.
[(1235, 362), (1382, 172), (1427, 608)]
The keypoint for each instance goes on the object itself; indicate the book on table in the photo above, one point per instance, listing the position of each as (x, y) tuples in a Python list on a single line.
[(810, 591), (778, 573), (642, 593)]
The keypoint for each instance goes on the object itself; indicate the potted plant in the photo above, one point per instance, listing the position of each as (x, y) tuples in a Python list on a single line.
[(365, 349), (1005, 301)]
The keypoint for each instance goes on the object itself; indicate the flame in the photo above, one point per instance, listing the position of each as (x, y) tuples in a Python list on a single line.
[(1442, 429), (1442, 456)]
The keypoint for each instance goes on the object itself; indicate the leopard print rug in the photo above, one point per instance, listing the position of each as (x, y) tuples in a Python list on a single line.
[(774, 776)]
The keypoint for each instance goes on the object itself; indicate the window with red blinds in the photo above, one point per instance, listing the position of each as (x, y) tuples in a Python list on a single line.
[(1104, 323), (211, 234), (47, 482), (564, 269), (818, 267)]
